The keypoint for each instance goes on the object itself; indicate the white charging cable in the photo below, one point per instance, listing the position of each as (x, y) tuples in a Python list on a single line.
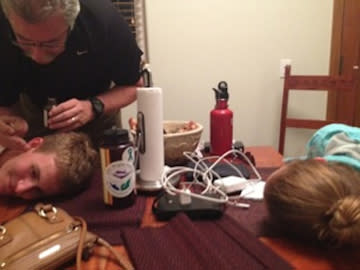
[(208, 175)]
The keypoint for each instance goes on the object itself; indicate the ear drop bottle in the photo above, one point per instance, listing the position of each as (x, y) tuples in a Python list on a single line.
[(51, 102)]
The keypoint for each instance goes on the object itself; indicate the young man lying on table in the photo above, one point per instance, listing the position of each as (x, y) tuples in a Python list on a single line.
[(56, 164)]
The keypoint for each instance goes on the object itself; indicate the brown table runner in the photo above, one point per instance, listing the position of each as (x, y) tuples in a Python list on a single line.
[(183, 244), (254, 218)]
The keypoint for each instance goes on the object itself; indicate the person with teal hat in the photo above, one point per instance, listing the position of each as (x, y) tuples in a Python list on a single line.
[(318, 198)]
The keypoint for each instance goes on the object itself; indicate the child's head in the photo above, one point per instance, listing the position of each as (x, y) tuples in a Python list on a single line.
[(316, 200)]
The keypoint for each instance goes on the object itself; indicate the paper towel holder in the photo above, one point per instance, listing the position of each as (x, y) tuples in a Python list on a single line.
[(149, 132)]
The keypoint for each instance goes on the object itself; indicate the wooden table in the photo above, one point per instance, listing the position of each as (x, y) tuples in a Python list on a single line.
[(300, 256)]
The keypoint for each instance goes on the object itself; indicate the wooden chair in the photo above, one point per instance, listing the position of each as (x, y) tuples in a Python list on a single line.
[(314, 83)]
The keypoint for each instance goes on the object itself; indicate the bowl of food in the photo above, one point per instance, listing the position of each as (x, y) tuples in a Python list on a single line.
[(179, 137)]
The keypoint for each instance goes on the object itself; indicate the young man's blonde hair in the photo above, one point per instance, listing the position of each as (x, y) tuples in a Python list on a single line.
[(316, 200), (75, 159)]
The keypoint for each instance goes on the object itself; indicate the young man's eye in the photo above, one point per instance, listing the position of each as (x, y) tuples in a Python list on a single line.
[(34, 173)]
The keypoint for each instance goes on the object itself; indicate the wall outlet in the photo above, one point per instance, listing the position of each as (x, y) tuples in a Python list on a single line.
[(283, 64)]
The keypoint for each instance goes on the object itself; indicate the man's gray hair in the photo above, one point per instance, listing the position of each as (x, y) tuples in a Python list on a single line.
[(34, 11)]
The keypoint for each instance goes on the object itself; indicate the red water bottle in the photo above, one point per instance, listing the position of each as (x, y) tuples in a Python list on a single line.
[(221, 122)]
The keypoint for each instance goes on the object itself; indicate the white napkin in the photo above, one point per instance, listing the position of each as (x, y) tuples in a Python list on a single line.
[(254, 191)]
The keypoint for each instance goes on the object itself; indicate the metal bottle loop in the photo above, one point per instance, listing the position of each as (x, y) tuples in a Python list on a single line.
[(140, 133)]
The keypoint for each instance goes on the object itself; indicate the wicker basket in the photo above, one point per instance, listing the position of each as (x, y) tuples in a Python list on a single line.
[(177, 143)]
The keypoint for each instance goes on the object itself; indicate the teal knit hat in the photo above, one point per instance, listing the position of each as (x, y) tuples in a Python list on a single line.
[(336, 143)]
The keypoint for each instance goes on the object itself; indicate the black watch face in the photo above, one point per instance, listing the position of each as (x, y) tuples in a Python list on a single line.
[(98, 106)]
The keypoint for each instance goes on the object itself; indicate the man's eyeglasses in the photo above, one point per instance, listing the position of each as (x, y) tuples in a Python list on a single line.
[(56, 43)]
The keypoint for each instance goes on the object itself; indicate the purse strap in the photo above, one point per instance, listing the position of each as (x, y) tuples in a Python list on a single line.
[(122, 261)]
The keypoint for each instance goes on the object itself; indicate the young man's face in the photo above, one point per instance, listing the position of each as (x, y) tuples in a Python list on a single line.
[(30, 175), (42, 41)]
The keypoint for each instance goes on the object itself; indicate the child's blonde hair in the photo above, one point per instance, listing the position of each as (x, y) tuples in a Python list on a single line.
[(316, 200)]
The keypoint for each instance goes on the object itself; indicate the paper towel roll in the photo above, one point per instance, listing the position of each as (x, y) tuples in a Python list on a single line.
[(150, 105)]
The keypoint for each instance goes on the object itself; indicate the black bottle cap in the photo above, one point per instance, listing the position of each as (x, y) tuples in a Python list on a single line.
[(116, 136), (222, 91)]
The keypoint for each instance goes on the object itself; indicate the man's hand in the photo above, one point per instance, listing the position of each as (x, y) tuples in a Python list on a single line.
[(70, 115), (12, 131)]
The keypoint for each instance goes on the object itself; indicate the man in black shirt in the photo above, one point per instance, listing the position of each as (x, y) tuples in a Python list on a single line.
[(71, 51)]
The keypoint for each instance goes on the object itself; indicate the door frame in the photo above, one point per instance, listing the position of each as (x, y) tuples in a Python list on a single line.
[(335, 56)]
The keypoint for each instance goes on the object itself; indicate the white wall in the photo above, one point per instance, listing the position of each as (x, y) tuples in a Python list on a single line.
[(195, 44)]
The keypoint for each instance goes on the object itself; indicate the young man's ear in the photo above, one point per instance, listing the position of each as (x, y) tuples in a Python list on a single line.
[(35, 142)]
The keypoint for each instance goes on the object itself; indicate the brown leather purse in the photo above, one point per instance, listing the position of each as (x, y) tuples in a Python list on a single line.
[(46, 238)]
